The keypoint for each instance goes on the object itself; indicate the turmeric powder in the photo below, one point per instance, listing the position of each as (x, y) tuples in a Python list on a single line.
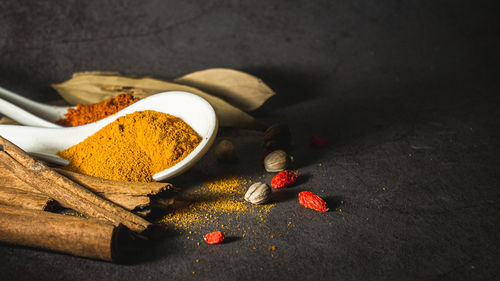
[(134, 147), (217, 204), (88, 113)]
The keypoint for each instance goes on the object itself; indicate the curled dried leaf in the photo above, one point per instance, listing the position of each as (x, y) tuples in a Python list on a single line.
[(85, 88), (240, 89)]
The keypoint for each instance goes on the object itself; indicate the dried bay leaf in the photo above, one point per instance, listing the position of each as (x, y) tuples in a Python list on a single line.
[(240, 89), (96, 73), (7, 121), (60, 102), (93, 87)]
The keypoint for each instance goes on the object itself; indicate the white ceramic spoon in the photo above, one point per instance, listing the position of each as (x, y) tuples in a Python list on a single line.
[(29, 112), (194, 110)]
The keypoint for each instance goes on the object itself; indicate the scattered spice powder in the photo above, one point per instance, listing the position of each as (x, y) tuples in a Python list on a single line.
[(88, 113), (134, 147), (206, 208)]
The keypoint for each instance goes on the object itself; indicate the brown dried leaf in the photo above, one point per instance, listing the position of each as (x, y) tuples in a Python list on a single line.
[(6, 120), (102, 73), (93, 87), (240, 89)]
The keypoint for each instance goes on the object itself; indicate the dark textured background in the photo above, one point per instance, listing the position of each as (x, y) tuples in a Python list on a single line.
[(405, 91)]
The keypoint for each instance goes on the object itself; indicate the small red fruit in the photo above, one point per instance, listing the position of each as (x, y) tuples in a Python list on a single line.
[(318, 141), (284, 178), (214, 237), (312, 201)]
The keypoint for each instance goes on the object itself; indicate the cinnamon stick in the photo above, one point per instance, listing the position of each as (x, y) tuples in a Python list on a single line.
[(24, 199), (106, 186), (132, 196), (89, 238), (65, 191), (7, 178)]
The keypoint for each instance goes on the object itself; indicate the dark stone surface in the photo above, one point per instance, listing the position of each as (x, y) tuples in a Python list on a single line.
[(406, 92)]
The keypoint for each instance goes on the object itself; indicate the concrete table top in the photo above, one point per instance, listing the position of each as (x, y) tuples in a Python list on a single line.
[(406, 93)]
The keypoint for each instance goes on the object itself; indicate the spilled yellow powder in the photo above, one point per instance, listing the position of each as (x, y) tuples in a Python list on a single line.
[(209, 207), (133, 147)]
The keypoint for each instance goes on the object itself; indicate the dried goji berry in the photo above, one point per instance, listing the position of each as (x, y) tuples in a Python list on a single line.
[(214, 237), (312, 201), (284, 178), (318, 141)]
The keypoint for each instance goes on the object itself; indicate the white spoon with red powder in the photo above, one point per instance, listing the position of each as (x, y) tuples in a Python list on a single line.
[(29, 112), (192, 109)]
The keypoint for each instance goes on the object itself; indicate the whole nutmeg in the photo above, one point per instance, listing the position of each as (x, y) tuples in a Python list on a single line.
[(224, 151), (276, 161), (277, 136), (258, 193)]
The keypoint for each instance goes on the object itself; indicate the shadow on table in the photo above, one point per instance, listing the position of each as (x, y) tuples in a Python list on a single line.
[(347, 112), (141, 250), (360, 116)]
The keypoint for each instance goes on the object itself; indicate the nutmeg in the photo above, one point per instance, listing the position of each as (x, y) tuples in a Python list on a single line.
[(276, 161), (277, 136), (225, 152), (258, 193)]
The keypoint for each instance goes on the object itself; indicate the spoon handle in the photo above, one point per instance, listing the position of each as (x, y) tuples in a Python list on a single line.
[(51, 158), (41, 140), (45, 111), (22, 116)]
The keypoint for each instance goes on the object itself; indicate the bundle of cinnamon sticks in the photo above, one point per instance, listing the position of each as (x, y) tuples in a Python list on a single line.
[(29, 190)]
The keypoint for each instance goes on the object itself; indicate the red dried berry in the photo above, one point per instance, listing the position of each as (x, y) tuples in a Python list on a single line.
[(312, 201), (284, 178), (318, 141), (263, 156), (214, 237)]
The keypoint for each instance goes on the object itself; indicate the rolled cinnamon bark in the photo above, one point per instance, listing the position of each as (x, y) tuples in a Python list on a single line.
[(24, 199), (132, 196), (89, 238), (105, 186), (65, 191), (7, 178)]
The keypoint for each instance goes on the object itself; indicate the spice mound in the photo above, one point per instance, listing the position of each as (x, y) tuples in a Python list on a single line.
[(133, 147), (88, 113)]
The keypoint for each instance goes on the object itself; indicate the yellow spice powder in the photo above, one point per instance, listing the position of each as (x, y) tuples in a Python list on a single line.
[(206, 207), (133, 147)]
